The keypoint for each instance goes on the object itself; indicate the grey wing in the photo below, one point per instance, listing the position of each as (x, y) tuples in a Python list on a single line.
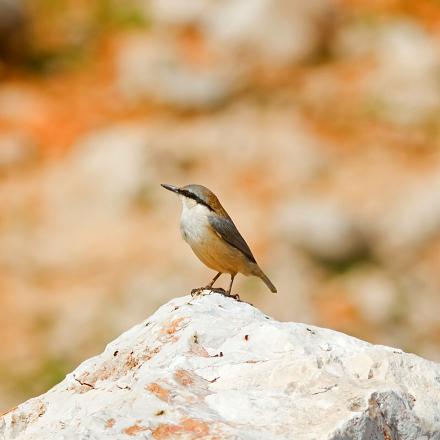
[(229, 232)]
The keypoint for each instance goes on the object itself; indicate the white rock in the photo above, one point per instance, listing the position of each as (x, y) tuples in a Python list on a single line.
[(374, 292), (86, 198), (102, 175), (404, 85), (155, 69), (280, 31), (321, 228), (414, 217), (408, 76), (211, 367), (243, 134), (235, 41)]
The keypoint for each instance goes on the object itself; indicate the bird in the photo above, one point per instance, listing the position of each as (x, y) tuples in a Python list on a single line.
[(212, 235)]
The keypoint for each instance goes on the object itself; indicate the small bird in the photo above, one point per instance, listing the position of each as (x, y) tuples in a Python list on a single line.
[(212, 235)]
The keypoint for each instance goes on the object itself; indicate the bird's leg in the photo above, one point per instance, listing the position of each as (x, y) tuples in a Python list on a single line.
[(230, 284), (213, 281), (213, 289), (230, 288), (208, 287)]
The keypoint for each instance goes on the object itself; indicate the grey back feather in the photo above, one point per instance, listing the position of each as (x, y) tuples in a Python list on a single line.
[(228, 231)]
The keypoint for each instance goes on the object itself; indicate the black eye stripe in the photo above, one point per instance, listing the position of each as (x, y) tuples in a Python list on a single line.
[(191, 195)]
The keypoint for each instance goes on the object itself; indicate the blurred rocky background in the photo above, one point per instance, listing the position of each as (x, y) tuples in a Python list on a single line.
[(317, 123)]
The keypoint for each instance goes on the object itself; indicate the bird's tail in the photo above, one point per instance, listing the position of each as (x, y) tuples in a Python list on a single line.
[(267, 281)]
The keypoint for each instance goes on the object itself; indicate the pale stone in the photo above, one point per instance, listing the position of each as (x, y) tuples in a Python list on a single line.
[(279, 32), (404, 86), (374, 292), (414, 217), (322, 229), (155, 69), (234, 42), (407, 79), (211, 367)]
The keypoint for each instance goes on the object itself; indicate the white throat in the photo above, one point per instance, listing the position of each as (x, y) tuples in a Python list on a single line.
[(193, 220)]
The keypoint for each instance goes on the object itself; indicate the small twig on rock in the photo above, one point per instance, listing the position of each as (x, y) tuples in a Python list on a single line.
[(84, 383), (325, 389)]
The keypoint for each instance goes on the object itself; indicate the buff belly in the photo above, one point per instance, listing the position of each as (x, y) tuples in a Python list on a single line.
[(209, 247)]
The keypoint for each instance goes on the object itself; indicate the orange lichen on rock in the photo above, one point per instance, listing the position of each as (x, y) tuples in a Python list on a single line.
[(134, 430), (131, 361), (198, 429), (198, 350), (150, 354), (183, 377), (159, 392), (165, 431), (172, 327), (110, 423), (89, 379), (86, 381)]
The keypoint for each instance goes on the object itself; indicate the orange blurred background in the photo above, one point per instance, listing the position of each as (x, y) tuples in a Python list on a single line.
[(316, 123)]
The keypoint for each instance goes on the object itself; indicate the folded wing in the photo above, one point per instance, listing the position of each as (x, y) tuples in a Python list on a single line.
[(228, 231)]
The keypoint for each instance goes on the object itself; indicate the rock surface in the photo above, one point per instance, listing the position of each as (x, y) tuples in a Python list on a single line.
[(404, 86), (200, 55), (322, 229), (213, 368), (279, 32), (156, 69)]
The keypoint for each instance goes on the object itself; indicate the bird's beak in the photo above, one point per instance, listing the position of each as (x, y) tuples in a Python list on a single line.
[(171, 187)]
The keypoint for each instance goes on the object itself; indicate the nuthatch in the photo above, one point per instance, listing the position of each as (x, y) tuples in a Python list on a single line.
[(212, 235)]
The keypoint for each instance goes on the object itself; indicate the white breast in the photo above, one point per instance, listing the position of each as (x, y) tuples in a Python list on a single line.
[(194, 223), (207, 244)]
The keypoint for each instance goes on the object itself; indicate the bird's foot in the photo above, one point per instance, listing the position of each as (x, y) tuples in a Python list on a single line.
[(198, 291), (233, 296), (227, 294), (217, 290)]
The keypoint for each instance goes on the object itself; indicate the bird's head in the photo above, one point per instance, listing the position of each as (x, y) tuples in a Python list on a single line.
[(193, 195)]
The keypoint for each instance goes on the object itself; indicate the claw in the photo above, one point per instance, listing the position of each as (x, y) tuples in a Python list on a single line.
[(197, 291), (218, 290)]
